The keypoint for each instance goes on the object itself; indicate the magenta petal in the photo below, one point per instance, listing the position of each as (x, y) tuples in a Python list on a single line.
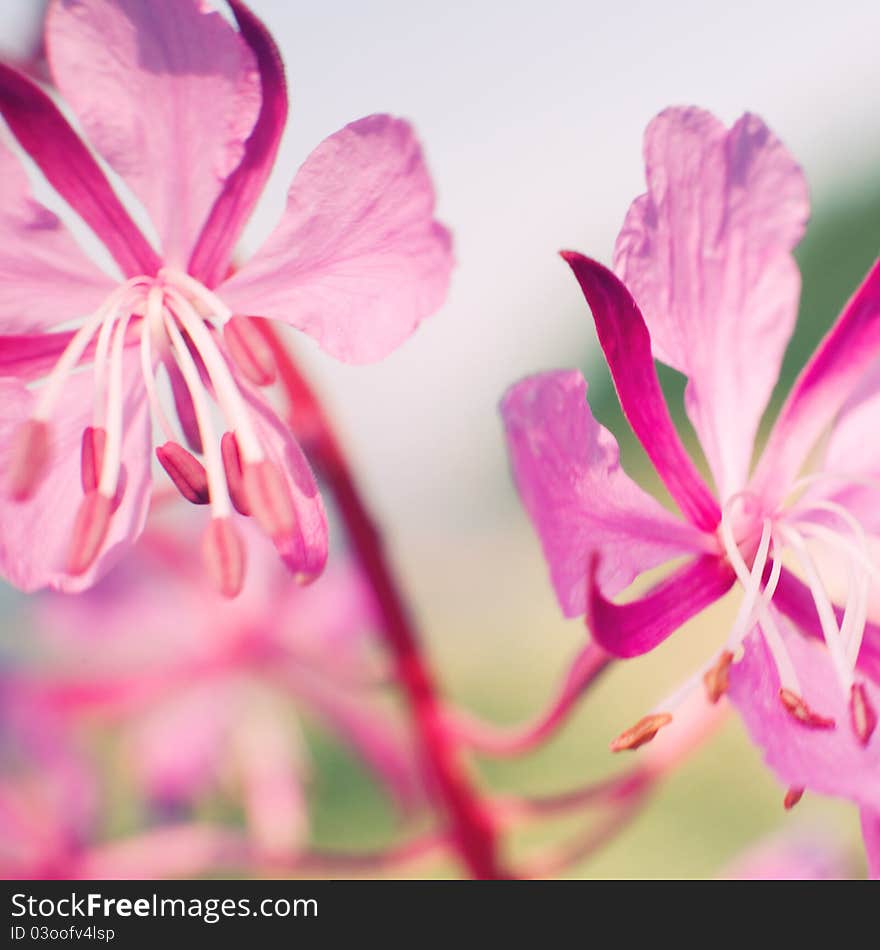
[(706, 252), (47, 137), (35, 534), (627, 347), (305, 551), (579, 498), (634, 628), (213, 252), (843, 357), (357, 260), (167, 92), (45, 278), (871, 836), (29, 356), (828, 761)]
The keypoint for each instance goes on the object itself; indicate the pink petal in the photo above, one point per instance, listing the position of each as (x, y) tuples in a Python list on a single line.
[(358, 259), (627, 347), (828, 761), (45, 278), (636, 627), (36, 533), (871, 835), (833, 373), (580, 500), (168, 92), (44, 133), (853, 451), (213, 252), (791, 857), (706, 252), (305, 552), (199, 720)]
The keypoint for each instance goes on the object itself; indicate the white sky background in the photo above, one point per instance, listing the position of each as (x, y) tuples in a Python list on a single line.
[(531, 115)]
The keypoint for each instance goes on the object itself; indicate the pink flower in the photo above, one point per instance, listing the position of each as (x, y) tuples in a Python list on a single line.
[(801, 856), (202, 695), (708, 285), (189, 113), (48, 795)]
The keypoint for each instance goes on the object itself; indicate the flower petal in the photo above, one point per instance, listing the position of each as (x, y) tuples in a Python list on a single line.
[(45, 278), (636, 627), (167, 91), (578, 497), (305, 552), (29, 356), (706, 252), (213, 252), (358, 259), (852, 456), (36, 533), (44, 133), (833, 373), (828, 761), (198, 717), (871, 835), (627, 347)]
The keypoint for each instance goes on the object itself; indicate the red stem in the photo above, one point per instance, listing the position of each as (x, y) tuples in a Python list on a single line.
[(472, 829)]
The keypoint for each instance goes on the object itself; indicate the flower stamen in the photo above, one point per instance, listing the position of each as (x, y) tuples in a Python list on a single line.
[(642, 732)]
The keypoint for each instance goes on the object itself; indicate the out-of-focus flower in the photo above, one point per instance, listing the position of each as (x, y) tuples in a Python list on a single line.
[(708, 285), (48, 795), (189, 112), (793, 856), (205, 692)]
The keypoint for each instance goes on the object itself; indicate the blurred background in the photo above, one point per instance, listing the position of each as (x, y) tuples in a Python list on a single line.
[(531, 116)]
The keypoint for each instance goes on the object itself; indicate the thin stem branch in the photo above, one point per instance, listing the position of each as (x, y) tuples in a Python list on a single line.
[(492, 740), (190, 849), (471, 826)]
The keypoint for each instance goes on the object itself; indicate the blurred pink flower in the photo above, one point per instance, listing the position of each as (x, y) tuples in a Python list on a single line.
[(189, 113), (205, 692), (795, 856), (709, 286), (48, 795)]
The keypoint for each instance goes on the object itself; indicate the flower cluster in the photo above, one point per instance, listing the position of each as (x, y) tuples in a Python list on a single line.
[(159, 124)]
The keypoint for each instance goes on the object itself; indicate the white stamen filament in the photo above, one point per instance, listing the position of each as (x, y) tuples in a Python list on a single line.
[(153, 322), (74, 350), (855, 615), (197, 290), (115, 412), (772, 637), (788, 678), (220, 503), (751, 589), (228, 393), (824, 608), (102, 352)]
